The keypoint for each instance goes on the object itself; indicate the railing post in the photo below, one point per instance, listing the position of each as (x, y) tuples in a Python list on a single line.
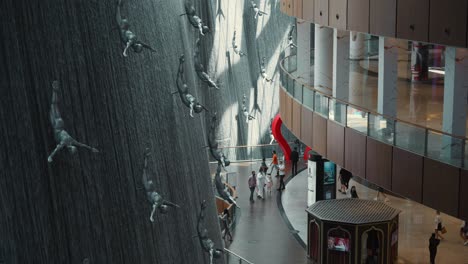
[(463, 154), (240, 261), (368, 123), (346, 116), (426, 140), (394, 132)]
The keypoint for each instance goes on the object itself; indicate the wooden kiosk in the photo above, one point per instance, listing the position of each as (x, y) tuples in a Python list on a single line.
[(352, 231)]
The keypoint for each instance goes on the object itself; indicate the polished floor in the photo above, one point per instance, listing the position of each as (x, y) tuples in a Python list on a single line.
[(416, 223), (261, 235)]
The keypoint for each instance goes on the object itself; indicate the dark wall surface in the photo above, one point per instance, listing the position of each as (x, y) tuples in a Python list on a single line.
[(92, 207)]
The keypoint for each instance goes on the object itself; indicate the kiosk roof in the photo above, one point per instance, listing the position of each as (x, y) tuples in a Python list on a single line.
[(353, 211)]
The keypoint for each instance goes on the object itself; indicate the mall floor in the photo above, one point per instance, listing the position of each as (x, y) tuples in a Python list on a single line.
[(270, 232)]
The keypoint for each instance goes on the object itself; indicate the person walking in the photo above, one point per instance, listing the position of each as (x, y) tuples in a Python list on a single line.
[(433, 243), (252, 183), (226, 219), (439, 227), (344, 177), (282, 174), (261, 184), (294, 160), (274, 163), (464, 232)]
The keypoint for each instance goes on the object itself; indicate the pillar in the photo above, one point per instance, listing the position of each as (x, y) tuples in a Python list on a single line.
[(340, 71), (455, 100), (357, 47), (388, 76), (323, 62), (303, 51)]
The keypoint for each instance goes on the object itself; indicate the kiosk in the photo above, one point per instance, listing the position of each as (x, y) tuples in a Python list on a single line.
[(352, 231), (321, 178)]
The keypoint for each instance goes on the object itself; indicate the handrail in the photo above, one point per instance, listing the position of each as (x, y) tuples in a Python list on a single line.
[(232, 253), (251, 146), (363, 108)]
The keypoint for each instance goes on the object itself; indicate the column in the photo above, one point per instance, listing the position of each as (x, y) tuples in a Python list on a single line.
[(340, 72), (357, 46), (303, 51), (387, 90), (323, 61), (455, 100)]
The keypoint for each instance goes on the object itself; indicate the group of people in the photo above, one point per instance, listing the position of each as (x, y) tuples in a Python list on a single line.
[(261, 183)]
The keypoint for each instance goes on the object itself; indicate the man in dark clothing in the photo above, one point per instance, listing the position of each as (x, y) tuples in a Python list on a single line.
[(294, 160), (252, 184), (433, 243)]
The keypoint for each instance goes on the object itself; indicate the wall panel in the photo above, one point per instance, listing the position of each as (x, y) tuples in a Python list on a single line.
[(463, 210), (319, 135), (308, 10), (355, 152), (296, 118), (358, 15), (447, 22), (287, 119), (335, 142), (338, 12), (321, 12), (379, 163), (306, 126), (413, 19), (298, 8), (441, 186), (407, 174), (383, 17)]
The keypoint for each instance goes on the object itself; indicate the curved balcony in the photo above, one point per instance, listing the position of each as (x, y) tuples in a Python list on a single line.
[(420, 163), (433, 21)]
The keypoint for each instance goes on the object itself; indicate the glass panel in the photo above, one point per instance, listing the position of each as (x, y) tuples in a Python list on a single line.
[(410, 137), (298, 91), (444, 148), (337, 112), (465, 155), (321, 104), (308, 98), (356, 119), (290, 85), (381, 128), (292, 63)]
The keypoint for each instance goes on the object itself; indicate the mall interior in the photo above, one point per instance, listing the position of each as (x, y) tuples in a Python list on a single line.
[(162, 131)]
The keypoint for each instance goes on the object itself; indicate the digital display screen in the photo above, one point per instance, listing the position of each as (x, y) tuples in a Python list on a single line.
[(329, 169), (338, 244)]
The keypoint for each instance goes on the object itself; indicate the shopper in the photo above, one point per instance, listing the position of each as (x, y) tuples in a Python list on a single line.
[(294, 160), (252, 183), (433, 243), (226, 219), (345, 176), (261, 184), (282, 174), (464, 232), (439, 227), (353, 192), (380, 191), (274, 163)]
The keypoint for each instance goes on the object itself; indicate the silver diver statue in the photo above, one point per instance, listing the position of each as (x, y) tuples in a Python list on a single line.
[(206, 243), (221, 187), (61, 136), (216, 153), (195, 20), (263, 71), (291, 44), (235, 47), (153, 197), (200, 69), (257, 11), (127, 36), (245, 111), (182, 88)]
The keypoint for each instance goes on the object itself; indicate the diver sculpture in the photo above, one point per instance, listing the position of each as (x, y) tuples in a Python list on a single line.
[(187, 99), (63, 139), (217, 154), (195, 20), (206, 243), (200, 69), (290, 38), (127, 36), (235, 47), (153, 197), (220, 187), (245, 111), (263, 71), (257, 11)]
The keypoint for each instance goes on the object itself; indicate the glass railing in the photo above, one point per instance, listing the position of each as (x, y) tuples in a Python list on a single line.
[(421, 140)]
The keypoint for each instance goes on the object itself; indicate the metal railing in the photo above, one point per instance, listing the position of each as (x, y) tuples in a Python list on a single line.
[(428, 142), (235, 257)]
